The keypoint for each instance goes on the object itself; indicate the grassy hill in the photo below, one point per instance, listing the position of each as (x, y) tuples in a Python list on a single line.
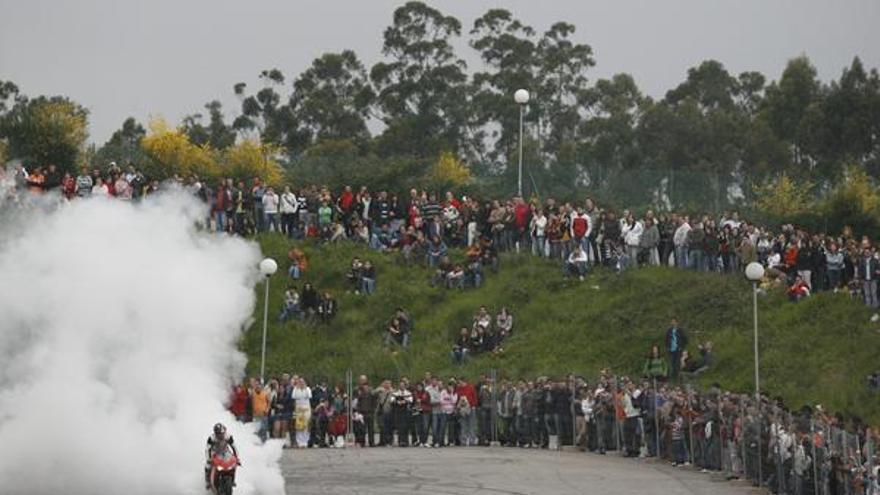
[(816, 351)]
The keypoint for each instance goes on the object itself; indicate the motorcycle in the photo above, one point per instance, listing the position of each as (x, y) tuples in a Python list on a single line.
[(223, 464)]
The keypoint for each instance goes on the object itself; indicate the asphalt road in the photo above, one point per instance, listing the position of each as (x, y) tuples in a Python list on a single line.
[(496, 470)]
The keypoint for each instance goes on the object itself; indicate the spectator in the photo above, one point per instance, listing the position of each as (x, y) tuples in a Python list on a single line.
[(461, 348), (799, 289), (368, 278), (655, 365), (327, 307), (291, 304), (676, 342), (576, 265), (261, 401), (504, 323)]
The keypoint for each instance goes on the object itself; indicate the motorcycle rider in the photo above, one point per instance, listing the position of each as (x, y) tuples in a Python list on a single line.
[(218, 442)]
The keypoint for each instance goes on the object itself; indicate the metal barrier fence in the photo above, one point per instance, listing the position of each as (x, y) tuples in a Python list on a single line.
[(806, 452)]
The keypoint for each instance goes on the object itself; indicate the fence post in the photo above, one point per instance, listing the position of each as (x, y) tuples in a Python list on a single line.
[(690, 425), (573, 414), (656, 421), (349, 427), (493, 374), (815, 457)]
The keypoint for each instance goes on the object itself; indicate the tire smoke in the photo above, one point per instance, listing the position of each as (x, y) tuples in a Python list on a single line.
[(119, 326)]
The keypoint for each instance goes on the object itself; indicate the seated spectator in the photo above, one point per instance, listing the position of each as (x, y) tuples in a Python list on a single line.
[(327, 307), (354, 275), (489, 253), (576, 264), (474, 274), (406, 325), (455, 278), (291, 304), (368, 278), (443, 268), (394, 333), (309, 300), (798, 290), (461, 348), (436, 251), (482, 319), (504, 323), (299, 264)]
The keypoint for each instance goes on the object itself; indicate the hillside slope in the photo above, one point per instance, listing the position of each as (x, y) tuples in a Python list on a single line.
[(816, 351)]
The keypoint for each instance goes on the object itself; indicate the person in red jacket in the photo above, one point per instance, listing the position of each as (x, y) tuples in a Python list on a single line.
[(580, 229), (238, 402), (521, 219), (468, 423)]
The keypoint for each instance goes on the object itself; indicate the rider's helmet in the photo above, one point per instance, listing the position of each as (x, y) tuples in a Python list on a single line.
[(219, 430)]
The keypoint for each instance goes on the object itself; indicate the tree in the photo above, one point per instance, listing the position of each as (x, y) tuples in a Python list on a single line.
[(263, 115), (563, 66), (508, 51), (46, 131), (216, 133), (123, 147), (421, 84), (608, 136), (249, 158), (448, 172), (788, 101), (332, 99), (170, 152)]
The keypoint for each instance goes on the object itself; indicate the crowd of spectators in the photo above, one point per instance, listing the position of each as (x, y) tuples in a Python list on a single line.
[(424, 227), (790, 451)]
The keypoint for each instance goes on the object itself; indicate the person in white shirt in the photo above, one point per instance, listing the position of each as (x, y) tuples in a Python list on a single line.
[(289, 206), (302, 396), (100, 189), (576, 264), (539, 235), (632, 237), (270, 209), (679, 240)]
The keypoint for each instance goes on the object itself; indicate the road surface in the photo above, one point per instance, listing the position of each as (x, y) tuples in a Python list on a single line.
[(496, 470)]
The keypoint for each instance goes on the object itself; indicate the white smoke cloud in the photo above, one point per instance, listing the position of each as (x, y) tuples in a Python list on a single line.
[(118, 331)]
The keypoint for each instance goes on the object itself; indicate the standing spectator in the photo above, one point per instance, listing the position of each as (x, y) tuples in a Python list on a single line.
[(261, 402), (467, 404), (270, 204), (655, 365), (676, 342), (257, 192), (366, 407), (868, 272), (680, 242), (402, 399), (448, 402), (84, 184), (302, 397), (486, 400), (650, 242), (289, 206), (834, 266), (238, 402)]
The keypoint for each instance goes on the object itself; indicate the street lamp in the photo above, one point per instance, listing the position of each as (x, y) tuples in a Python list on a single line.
[(267, 268), (755, 273), (521, 97)]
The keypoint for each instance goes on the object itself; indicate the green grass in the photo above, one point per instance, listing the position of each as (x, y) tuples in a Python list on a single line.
[(815, 351)]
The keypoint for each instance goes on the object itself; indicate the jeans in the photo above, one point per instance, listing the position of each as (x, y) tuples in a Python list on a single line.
[(869, 290), (486, 433), (578, 268), (288, 224), (834, 277), (368, 285), (468, 427), (422, 427), (220, 220), (524, 429), (538, 246), (438, 427), (263, 432), (387, 433), (679, 451), (681, 256), (695, 257)]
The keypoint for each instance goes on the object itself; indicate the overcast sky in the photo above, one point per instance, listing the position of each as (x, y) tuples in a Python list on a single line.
[(167, 58)]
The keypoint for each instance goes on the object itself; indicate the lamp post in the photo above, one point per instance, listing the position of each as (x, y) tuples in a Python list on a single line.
[(521, 97), (755, 272), (267, 268)]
